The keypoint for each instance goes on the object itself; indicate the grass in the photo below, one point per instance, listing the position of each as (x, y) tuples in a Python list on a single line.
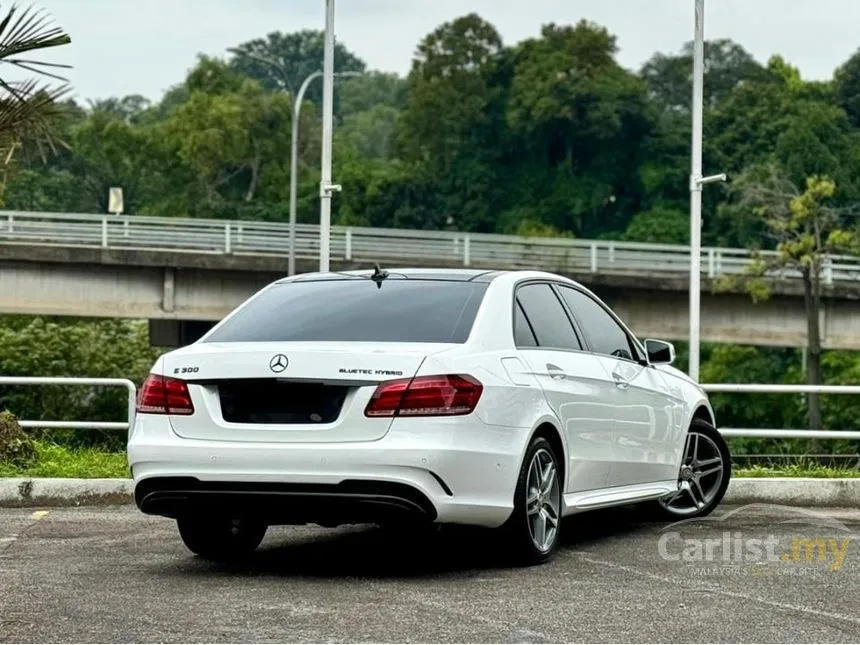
[(53, 460), (796, 470)]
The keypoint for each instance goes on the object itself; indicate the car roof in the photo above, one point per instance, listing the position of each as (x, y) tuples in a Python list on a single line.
[(442, 274), (453, 275)]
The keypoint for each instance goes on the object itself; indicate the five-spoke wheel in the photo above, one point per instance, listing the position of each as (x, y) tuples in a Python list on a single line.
[(534, 526), (703, 476), (543, 500)]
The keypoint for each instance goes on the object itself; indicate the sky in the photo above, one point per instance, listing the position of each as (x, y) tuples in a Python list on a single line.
[(144, 47)]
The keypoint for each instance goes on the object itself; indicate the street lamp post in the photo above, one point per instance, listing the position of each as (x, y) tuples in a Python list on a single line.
[(294, 168), (294, 163), (696, 183), (294, 142), (326, 187)]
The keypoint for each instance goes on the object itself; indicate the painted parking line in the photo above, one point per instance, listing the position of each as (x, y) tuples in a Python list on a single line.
[(35, 516)]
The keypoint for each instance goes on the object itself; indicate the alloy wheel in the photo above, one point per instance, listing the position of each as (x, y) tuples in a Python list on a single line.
[(543, 500), (700, 477)]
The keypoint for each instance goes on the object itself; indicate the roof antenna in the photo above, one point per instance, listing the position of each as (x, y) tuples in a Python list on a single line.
[(378, 275)]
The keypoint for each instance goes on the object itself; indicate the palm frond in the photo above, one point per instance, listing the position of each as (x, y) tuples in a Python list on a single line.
[(29, 114), (28, 31)]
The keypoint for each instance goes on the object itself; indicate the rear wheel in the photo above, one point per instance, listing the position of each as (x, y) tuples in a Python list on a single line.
[(533, 529), (703, 477), (220, 537)]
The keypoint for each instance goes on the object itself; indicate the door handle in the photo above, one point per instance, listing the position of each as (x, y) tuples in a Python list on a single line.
[(620, 381), (555, 371)]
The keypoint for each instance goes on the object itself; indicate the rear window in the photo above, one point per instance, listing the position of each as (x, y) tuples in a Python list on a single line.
[(401, 310)]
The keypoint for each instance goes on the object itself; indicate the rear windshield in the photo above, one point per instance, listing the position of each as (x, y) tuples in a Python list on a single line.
[(401, 310)]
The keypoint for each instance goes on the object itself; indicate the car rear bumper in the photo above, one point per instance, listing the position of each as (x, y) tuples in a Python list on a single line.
[(450, 473), (348, 502)]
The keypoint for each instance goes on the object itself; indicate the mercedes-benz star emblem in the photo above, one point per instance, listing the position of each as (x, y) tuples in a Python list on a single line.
[(278, 363)]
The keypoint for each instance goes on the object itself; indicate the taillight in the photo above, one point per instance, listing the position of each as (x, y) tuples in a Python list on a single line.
[(425, 396), (164, 395)]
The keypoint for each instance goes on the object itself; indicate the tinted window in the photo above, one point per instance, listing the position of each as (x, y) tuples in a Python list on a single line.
[(401, 310), (523, 334), (604, 334), (548, 319)]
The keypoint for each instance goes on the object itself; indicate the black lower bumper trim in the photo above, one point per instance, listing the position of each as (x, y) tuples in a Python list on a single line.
[(349, 502)]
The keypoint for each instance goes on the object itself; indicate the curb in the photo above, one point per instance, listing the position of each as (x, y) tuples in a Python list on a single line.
[(794, 491), (25, 493), (787, 491)]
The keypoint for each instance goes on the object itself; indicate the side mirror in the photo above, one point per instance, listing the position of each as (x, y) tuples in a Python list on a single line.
[(660, 352)]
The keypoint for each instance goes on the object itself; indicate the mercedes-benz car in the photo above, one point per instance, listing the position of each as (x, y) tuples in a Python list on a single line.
[(405, 397)]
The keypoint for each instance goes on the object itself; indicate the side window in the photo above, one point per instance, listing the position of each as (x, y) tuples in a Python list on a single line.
[(523, 334), (551, 326), (603, 332)]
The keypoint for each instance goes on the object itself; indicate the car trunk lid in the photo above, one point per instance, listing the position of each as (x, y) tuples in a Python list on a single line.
[(291, 391)]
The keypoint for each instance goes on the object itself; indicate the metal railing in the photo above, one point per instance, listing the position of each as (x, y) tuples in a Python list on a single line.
[(78, 425), (778, 433), (387, 246), (711, 388)]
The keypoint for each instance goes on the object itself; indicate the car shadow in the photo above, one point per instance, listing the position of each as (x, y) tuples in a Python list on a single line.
[(373, 552)]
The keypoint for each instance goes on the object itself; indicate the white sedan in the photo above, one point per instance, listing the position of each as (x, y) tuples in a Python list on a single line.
[(496, 399)]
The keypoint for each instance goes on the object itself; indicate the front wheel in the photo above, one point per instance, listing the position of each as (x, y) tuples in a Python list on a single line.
[(220, 537), (703, 477), (533, 529)]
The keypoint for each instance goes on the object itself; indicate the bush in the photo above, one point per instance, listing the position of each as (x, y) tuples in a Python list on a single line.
[(16, 448), (39, 346)]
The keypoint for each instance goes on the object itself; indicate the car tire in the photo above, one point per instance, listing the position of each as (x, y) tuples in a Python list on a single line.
[(220, 538), (705, 451), (535, 508)]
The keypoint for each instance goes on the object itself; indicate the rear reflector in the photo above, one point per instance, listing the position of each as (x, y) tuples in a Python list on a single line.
[(164, 395), (425, 396)]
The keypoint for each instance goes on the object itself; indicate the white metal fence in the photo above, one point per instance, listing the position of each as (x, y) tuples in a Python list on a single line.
[(79, 425), (387, 246), (711, 388), (779, 433)]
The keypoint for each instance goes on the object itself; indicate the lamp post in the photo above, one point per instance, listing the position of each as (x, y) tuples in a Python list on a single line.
[(294, 141), (696, 183), (326, 187), (294, 161), (294, 168)]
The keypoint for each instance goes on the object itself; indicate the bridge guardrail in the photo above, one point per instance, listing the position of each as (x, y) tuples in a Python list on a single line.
[(389, 246)]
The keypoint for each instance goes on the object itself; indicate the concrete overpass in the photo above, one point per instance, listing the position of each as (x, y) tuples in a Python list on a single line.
[(195, 271)]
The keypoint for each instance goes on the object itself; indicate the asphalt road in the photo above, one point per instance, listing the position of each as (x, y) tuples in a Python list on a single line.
[(113, 575)]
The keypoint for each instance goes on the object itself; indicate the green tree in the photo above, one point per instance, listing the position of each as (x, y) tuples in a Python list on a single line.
[(371, 89), (224, 139), (451, 126), (47, 190), (784, 121), (371, 133), (847, 87), (659, 226), (128, 108), (808, 233), (109, 151), (727, 64), (579, 121), (295, 56)]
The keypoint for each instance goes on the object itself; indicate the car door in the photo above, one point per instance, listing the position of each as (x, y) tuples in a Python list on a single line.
[(643, 436), (572, 380)]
